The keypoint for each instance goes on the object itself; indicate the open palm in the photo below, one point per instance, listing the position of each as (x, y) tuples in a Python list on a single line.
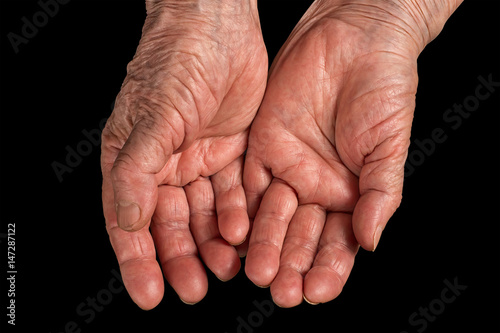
[(172, 148), (324, 167)]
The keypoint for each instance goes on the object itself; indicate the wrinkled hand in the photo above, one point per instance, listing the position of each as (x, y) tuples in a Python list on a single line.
[(325, 163), (172, 148)]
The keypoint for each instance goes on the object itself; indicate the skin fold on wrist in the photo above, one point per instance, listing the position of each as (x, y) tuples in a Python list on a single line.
[(204, 17), (202, 7), (417, 22)]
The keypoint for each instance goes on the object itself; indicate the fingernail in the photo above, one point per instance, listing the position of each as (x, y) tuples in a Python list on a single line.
[(308, 301), (263, 287), (128, 214), (222, 280), (188, 303), (243, 241), (279, 306), (376, 236)]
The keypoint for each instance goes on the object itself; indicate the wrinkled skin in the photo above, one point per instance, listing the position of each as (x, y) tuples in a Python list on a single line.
[(172, 148), (325, 163), (324, 166)]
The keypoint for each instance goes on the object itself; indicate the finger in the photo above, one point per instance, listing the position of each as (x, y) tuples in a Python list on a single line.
[(380, 186), (242, 249), (134, 174), (334, 260), (140, 271), (176, 247), (297, 256), (256, 180), (135, 251), (271, 222), (231, 203), (219, 256)]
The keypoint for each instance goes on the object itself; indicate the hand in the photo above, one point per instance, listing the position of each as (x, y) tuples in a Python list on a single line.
[(325, 163), (172, 148)]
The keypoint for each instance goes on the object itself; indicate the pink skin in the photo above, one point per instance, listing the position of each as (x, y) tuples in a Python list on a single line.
[(324, 167), (173, 147), (325, 162)]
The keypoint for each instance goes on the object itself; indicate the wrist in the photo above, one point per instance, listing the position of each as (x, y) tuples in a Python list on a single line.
[(200, 16), (412, 23), (425, 18), (202, 7)]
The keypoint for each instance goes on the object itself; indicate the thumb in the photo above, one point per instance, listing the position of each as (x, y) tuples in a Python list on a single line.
[(134, 175), (381, 186)]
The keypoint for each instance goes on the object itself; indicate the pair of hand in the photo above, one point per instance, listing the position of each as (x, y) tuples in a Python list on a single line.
[(323, 171)]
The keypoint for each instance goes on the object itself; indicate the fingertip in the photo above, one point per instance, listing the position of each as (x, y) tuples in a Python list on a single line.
[(128, 215), (308, 301), (261, 266), (286, 289), (376, 236), (242, 249), (134, 208), (221, 258), (370, 216), (151, 297), (321, 285), (144, 284), (187, 277), (188, 303), (234, 226)]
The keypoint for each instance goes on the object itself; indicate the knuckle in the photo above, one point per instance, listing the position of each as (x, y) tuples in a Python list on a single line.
[(114, 133), (123, 166)]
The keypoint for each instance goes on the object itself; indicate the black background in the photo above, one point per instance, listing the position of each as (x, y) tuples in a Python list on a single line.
[(65, 79)]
